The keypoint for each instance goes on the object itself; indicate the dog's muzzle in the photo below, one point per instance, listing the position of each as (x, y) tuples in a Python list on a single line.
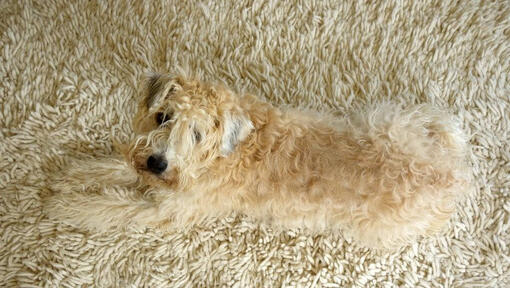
[(157, 164)]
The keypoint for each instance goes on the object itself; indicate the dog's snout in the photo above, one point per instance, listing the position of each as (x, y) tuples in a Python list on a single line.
[(156, 164)]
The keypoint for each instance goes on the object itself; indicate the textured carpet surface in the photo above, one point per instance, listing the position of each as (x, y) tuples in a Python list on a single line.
[(70, 72)]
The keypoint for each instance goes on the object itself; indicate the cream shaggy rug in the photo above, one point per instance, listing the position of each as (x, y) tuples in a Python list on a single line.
[(70, 71)]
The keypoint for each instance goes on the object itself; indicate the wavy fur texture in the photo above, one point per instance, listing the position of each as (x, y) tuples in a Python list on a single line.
[(71, 74), (385, 174)]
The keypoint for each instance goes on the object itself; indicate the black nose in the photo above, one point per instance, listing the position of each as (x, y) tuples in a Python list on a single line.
[(156, 163)]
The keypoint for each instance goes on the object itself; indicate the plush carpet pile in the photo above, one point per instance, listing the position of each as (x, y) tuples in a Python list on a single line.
[(70, 72)]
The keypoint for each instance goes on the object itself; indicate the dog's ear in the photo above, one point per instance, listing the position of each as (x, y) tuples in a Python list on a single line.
[(153, 85), (159, 87), (235, 129)]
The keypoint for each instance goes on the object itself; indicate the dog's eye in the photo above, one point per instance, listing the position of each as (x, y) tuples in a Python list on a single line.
[(162, 117)]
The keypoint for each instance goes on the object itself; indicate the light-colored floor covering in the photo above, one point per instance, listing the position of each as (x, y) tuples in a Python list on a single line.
[(69, 71)]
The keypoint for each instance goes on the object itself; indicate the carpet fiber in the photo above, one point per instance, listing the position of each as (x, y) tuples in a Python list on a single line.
[(70, 72)]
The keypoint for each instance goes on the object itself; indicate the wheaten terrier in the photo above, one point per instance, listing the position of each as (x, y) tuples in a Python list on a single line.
[(384, 175)]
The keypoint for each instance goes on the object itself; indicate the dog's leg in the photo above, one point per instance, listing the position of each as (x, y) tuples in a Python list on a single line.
[(106, 194), (98, 211), (97, 194), (101, 172), (175, 209)]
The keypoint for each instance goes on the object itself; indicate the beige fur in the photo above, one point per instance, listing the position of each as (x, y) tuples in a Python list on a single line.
[(385, 175)]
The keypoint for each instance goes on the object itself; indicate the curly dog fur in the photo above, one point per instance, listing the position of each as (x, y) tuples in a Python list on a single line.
[(385, 175)]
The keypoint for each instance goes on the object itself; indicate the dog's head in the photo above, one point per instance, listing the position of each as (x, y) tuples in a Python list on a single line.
[(184, 127)]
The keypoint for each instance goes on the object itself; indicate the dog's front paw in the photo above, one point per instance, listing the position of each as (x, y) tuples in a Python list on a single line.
[(82, 175), (100, 209)]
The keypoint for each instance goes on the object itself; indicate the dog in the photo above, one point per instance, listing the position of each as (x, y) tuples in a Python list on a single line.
[(384, 175)]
